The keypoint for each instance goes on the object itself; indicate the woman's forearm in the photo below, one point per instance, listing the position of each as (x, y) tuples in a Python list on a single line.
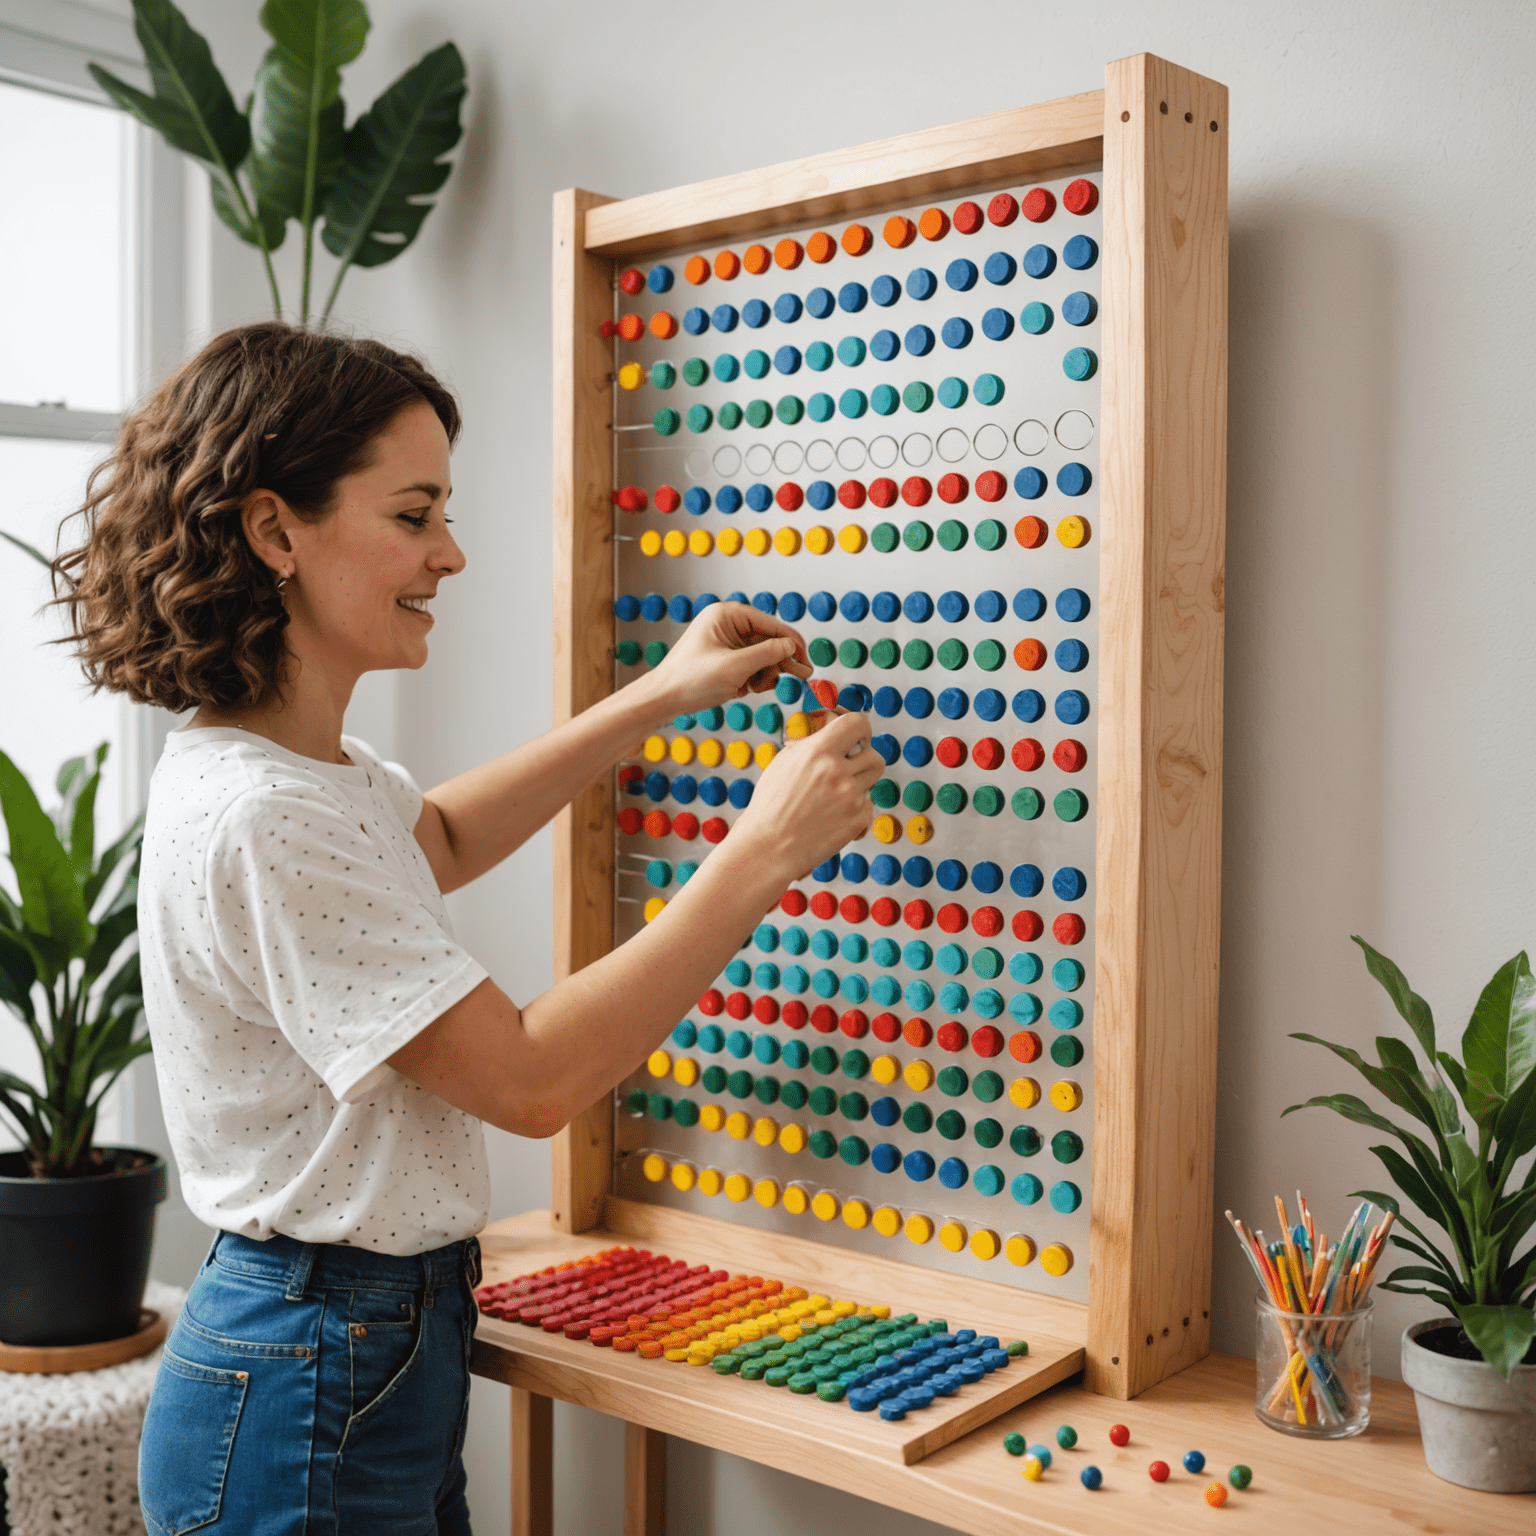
[(529, 1071), (472, 822)]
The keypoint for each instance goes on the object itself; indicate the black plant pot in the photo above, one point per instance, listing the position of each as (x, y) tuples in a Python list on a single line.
[(74, 1253)]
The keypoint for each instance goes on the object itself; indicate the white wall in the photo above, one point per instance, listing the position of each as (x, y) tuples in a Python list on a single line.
[(1381, 637)]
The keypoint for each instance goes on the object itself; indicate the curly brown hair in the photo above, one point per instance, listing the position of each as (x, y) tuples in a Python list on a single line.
[(167, 601)]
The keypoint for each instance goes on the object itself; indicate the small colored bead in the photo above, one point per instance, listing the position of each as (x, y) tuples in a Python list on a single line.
[(1092, 1477), (1034, 1469), (1216, 1495), (1066, 1437), (1042, 1454), (1158, 1471), (1240, 1476), (1119, 1435)]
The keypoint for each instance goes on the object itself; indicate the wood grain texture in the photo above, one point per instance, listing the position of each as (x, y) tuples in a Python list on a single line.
[(532, 1464), (1021, 144), (645, 1481), (1160, 697), (61, 1359), (583, 653), (1377, 1483), (766, 1425)]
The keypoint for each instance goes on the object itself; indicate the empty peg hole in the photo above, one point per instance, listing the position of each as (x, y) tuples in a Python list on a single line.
[(1165, 1333), (1149, 1338), (1114, 1359), (1162, 107), (1213, 125), (1189, 117), (1186, 1322), (1125, 117)]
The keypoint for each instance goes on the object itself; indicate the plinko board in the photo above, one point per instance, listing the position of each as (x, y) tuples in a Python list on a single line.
[(885, 431)]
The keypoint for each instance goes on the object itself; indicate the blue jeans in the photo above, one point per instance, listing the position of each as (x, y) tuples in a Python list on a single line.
[(314, 1390)]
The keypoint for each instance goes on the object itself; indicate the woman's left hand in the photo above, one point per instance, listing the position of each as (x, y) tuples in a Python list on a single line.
[(729, 650)]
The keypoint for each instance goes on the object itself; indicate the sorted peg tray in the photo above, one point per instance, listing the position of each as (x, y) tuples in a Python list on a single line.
[(633, 1323)]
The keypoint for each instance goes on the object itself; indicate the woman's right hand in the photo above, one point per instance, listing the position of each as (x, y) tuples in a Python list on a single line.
[(812, 798)]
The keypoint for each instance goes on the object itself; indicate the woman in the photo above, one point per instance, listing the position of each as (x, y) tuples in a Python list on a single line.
[(271, 526)]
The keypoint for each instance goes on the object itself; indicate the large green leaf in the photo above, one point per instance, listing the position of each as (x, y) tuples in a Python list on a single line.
[(77, 813), (1407, 1002), (393, 163), (1502, 1334), (1500, 1038), (1397, 1057), (297, 116), (128, 843), (18, 973), (1383, 1080), (193, 111), (1428, 1190), (192, 106), (1351, 1108), (51, 902)]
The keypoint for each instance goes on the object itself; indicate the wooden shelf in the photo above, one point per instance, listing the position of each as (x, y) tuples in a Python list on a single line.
[(1373, 1483)]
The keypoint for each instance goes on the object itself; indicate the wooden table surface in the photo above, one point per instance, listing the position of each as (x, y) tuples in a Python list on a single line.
[(1376, 1482)]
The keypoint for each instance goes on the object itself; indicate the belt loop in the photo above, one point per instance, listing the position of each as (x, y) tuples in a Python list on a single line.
[(298, 1276), (472, 1261)]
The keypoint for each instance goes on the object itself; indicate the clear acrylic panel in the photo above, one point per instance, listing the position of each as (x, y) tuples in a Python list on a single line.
[(66, 243)]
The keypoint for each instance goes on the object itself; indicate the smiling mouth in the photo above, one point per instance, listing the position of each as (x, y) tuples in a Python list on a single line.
[(414, 605)]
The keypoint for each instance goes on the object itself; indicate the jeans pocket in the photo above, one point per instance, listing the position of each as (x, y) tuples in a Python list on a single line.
[(383, 1338), (189, 1432)]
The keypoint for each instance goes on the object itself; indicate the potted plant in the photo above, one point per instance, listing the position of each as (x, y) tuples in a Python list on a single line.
[(1473, 1374), (77, 1220), (287, 153)]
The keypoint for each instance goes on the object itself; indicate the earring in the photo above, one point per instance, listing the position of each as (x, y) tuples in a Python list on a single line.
[(282, 580)]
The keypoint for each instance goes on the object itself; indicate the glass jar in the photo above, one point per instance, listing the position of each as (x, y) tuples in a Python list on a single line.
[(1314, 1370)]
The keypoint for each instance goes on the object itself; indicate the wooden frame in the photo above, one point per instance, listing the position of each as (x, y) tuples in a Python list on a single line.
[(1160, 133)]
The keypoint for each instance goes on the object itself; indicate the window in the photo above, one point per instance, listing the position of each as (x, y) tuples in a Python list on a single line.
[(66, 312), (81, 262)]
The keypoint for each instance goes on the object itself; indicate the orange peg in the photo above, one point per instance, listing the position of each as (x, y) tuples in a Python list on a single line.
[(821, 247)]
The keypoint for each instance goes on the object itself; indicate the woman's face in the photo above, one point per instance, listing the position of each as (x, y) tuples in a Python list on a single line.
[(364, 576)]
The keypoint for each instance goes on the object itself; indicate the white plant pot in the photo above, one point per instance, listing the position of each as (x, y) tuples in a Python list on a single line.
[(1479, 1430)]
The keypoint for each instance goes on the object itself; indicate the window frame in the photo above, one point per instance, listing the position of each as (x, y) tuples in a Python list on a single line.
[(45, 45)]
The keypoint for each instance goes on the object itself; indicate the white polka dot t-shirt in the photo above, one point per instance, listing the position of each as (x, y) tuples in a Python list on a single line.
[(292, 938)]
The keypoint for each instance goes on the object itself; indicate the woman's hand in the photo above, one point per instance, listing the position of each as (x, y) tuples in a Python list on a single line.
[(729, 650), (812, 798)]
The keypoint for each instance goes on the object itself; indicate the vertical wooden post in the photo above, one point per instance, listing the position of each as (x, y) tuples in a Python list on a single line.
[(1160, 697), (645, 1481), (582, 1153), (533, 1477)]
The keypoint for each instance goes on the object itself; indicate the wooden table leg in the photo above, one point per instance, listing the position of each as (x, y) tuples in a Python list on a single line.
[(533, 1447), (645, 1481)]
